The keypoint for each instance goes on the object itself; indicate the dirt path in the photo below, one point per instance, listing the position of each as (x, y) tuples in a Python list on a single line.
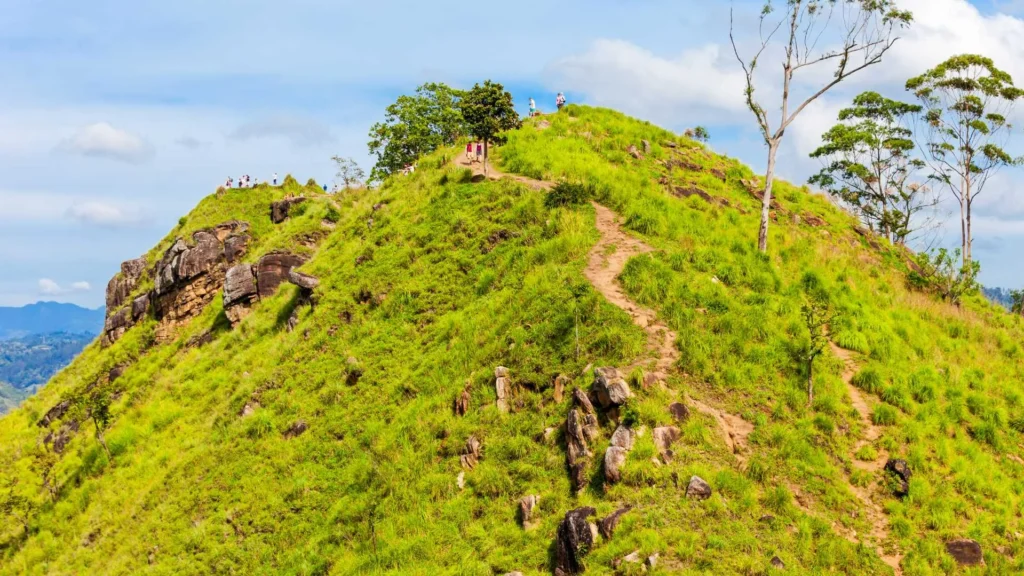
[(493, 173), (875, 514)]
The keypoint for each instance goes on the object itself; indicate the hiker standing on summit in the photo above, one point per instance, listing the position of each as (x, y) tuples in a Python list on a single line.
[(560, 100), (275, 178), (533, 108)]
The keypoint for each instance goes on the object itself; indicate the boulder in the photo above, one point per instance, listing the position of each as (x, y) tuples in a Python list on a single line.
[(631, 558), (632, 151), (664, 438), (116, 372), (470, 453), (607, 525), (279, 210), (503, 387), (623, 438), (353, 372), (614, 458), (777, 562), (698, 488), (235, 246), (527, 504), (899, 470), (462, 402), (272, 270), (573, 540), (652, 561), (646, 145), (610, 388), (304, 281), (140, 306), (679, 412), (966, 552), (577, 451), (559, 386), (589, 415)]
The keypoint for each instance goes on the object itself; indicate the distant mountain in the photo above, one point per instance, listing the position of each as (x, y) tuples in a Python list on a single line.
[(999, 296), (28, 363), (48, 318)]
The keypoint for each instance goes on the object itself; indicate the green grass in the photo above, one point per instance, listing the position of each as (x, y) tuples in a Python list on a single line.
[(471, 276)]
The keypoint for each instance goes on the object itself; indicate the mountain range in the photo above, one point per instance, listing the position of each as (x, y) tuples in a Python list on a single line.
[(49, 317)]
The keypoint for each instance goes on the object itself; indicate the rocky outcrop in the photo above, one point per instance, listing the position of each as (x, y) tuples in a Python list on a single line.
[(279, 210), (777, 562), (680, 413), (462, 402), (899, 472), (55, 413), (610, 388), (698, 488), (559, 387), (296, 429), (245, 284), (119, 320), (502, 387), (580, 429), (190, 277), (575, 537), (60, 439), (966, 552), (121, 285)]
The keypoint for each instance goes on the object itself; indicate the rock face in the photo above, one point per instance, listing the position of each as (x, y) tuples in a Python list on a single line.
[(273, 269), (118, 319), (239, 291), (610, 389), (279, 210), (245, 284), (900, 472), (573, 540), (698, 488), (189, 277), (503, 387), (55, 413), (965, 552)]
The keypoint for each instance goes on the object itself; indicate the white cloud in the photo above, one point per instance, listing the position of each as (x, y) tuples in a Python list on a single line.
[(103, 214), (50, 287), (621, 75), (301, 132), (101, 140)]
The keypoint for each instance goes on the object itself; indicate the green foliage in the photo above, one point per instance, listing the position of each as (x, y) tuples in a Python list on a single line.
[(570, 194), (349, 172), (488, 112), (870, 166), (415, 126), (1017, 302), (941, 273)]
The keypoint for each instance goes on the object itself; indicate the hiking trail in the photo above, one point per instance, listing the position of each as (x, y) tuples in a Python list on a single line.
[(875, 514)]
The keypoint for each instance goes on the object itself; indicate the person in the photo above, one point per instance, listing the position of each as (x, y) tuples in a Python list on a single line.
[(479, 151), (230, 182), (533, 108), (469, 151), (325, 188), (560, 100), (275, 178)]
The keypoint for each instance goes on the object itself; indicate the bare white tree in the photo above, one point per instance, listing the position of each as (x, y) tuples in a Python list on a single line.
[(860, 32)]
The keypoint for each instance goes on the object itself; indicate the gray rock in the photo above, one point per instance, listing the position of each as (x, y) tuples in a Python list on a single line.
[(679, 412), (140, 306), (900, 471), (614, 458), (646, 146), (777, 562), (296, 429), (623, 438), (527, 504), (588, 417), (201, 257), (503, 388), (55, 413), (273, 269), (573, 540), (280, 210), (610, 388), (664, 437), (577, 450), (235, 246), (698, 488)]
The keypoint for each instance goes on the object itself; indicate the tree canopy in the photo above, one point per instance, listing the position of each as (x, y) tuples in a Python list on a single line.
[(488, 112), (415, 125), (869, 165)]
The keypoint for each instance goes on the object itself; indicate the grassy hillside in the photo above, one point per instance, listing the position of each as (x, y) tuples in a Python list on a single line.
[(432, 281)]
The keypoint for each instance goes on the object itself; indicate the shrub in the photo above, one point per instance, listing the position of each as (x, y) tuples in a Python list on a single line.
[(869, 380), (942, 273), (570, 194), (884, 415)]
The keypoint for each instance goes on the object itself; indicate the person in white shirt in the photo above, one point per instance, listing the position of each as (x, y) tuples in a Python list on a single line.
[(275, 178)]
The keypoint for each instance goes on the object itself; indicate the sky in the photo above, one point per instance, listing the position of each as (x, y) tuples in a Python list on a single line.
[(117, 117)]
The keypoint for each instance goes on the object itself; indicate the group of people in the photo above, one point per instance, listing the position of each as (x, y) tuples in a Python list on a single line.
[(245, 181), (479, 147), (559, 103)]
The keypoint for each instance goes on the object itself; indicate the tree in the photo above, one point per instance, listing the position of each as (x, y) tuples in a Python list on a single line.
[(869, 166), (943, 274), (699, 134), (488, 111), (967, 100), (862, 30), (414, 126), (99, 413), (1017, 298), (350, 174), (817, 314)]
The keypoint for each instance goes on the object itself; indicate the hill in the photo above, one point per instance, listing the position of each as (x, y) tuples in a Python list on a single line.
[(999, 296), (27, 363), (47, 318), (455, 374)]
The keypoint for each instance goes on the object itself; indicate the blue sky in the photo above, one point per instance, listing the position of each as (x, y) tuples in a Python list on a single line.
[(117, 117)]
